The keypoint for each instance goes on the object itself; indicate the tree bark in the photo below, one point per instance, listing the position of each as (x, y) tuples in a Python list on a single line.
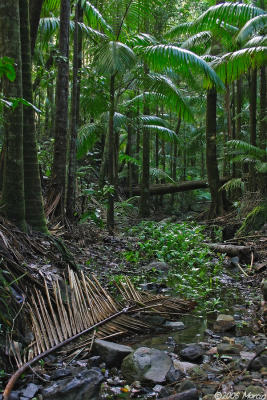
[(160, 189), (61, 122), (35, 13), (216, 207), (263, 125), (34, 209), (110, 210), (71, 192), (13, 204)]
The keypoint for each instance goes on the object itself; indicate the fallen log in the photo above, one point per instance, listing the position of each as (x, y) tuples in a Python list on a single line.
[(233, 251), (159, 189)]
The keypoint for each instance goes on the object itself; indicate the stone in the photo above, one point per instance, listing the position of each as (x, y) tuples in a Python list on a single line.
[(174, 375), (224, 323), (191, 394), (61, 373), (14, 395), (83, 385), (192, 353), (259, 362), (154, 320), (175, 325), (253, 392), (111, 353), (183, 366), (161, 390), (264, 289), (157, 266), (187, 385), (30, 390), (94, 361), (227, 348), (146, 365)]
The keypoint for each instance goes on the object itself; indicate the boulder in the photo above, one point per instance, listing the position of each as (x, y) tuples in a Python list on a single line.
[(191, 394), (183, 366), (264, 289), (259, 362), (175, 325), (227, 348), (255, 392), (158, 266), (192, 353), (187, 385), (224, 323), (30, 391), (83, 385), (111, 353), (146, 365)]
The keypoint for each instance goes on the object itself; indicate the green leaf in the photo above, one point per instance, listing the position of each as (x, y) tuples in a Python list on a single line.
[(113, 57), (255, 25), (7, 68)]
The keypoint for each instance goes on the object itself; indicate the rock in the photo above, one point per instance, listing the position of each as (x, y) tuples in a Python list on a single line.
[(254, 392), (14, 395), (259, 362), (157, 266), (161, 390), (61, 373), (224, 323), (183, 366), (235, 261), (174, 375), (154, 320), (94, 361), (187, 385), (146, 364), (30, 390), (191, 394), (264, 289), (175, 325), (192, 353), (83, 385), (227, 348), (111, 353)]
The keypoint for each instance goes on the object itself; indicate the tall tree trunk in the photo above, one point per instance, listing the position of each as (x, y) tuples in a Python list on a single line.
[(252, 123), (263, 123), (130, 154), (13, 204), (34, 209), (175, 153), (61, 122), (216, 207), (234, 122), (71, 192), (35, 13), (110, 210)]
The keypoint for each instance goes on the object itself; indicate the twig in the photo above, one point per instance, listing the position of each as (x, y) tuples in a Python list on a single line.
[(252, 260), (241, 269)]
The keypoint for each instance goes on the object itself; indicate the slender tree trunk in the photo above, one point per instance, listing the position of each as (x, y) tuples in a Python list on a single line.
[(216, 207), (130, 154), (263, 124), (13, 204), (71, 192), (110, 210), (252, 123), (34, 210), (35, 13), (61, 122), (234, 122), (175, 154), (228, 135)]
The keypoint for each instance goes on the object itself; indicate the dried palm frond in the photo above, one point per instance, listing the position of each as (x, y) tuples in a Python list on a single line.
[(74, 308)]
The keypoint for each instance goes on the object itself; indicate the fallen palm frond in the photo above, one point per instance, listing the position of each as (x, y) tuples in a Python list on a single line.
[(153, 302), (79, 306)]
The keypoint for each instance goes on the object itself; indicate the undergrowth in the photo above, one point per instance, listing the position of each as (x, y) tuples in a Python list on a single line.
[(193, 271)]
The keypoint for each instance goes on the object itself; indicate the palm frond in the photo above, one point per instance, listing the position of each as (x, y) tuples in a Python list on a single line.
[(113, 57), (50, 6), (232, 185), (236, 14), (151, 120), (88, 30), (120, 120), (179, 30), (94, 17), (159, 173), (87, 137), (201, 38), (257, 41), (160, 57), (253, 26), (247, 149), (232, 65), (164, 133), (142, 39)]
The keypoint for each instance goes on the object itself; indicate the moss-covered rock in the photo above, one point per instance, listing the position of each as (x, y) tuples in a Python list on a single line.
[(254, 220)]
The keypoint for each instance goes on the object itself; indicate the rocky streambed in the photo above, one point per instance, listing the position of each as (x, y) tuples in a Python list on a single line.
[(193, 358)]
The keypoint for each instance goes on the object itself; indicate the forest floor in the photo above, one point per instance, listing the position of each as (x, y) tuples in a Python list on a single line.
[(208, 361)]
